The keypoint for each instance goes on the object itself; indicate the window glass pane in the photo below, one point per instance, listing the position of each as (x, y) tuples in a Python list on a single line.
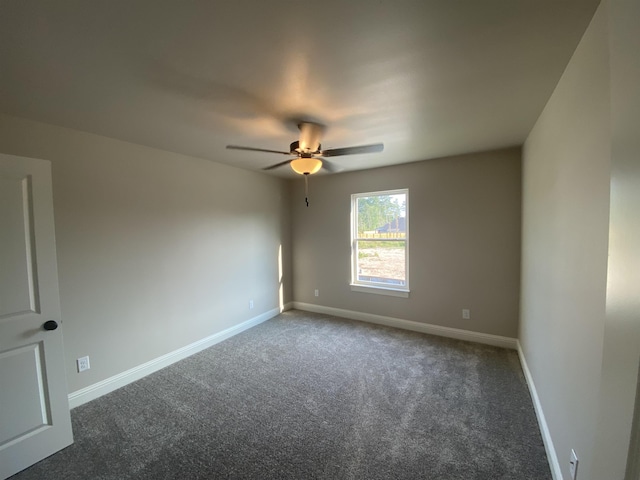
[(381, 262), (381, 216), (380, 239)]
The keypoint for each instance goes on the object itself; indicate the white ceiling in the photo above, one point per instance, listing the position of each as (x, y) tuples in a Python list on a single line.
[(428, 78)]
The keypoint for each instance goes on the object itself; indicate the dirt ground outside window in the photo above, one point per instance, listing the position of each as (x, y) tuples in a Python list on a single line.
[(382, 263)]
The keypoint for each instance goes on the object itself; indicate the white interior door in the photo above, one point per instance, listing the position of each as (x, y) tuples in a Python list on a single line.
[(34, 407)]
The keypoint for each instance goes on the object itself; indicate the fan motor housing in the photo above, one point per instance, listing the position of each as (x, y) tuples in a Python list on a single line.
[(294, 148)]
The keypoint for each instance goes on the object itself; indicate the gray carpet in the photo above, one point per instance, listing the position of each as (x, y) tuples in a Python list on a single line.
[(309, 396)]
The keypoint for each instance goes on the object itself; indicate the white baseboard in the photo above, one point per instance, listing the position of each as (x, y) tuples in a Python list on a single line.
[(110, 384), (485, 338), (552, 457)]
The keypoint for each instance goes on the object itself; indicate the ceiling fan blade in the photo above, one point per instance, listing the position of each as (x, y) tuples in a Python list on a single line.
[(278, 165), (329, 166), (337, 152), (251, 149)]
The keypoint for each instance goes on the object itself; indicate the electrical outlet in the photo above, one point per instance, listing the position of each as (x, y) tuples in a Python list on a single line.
[(83, 364), (573, 464), (250, 304), (317, 293), (466, 314)]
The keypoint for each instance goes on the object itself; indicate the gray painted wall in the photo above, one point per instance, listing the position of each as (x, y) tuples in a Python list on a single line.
[(566, 165), (621, 349), (155, 250), (464, 241), (580, 330)]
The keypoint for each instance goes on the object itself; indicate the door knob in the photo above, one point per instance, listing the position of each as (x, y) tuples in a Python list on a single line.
[(50, 325)]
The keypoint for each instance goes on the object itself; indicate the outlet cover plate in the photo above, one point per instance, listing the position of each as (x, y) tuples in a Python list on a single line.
[(83, 364)]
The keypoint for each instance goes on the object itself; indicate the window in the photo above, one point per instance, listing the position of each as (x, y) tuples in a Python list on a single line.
[(380, 242)]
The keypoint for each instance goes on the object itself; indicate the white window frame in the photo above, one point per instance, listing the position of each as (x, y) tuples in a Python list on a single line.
[(373, 287)]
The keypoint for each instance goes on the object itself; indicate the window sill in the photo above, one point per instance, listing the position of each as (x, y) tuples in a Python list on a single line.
[(392, 292)]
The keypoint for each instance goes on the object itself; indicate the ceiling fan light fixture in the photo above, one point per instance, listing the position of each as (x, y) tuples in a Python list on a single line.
[(306, 165)]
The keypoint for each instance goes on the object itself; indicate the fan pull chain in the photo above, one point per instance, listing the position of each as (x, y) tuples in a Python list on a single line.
[(306, 188)]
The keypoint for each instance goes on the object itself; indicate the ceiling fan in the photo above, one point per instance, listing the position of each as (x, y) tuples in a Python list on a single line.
[(309, 153)]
